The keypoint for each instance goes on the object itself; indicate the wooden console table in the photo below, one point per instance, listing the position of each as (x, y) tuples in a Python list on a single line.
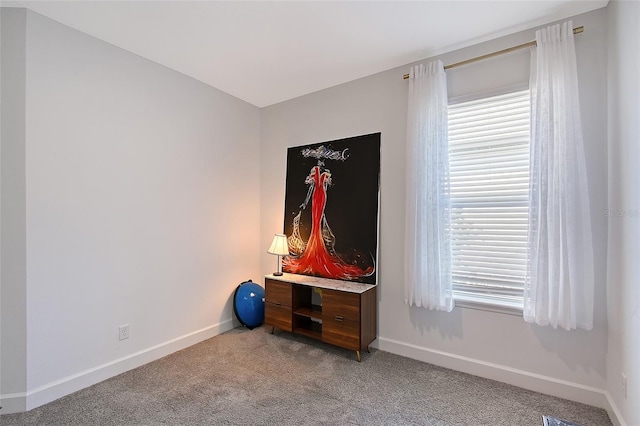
[(347, 316)]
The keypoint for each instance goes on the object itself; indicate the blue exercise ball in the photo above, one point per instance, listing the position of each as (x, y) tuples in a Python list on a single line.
[(248, 304)]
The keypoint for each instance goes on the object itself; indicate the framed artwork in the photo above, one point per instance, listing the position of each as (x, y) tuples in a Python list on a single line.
[(331, 209)]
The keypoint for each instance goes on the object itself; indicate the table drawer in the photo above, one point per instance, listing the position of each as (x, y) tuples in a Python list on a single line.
[(278, 316), (278, 293), (341, 304), (341, 333)]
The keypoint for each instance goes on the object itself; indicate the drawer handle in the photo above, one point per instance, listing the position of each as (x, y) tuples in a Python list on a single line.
[(339, 318), (277, 304)]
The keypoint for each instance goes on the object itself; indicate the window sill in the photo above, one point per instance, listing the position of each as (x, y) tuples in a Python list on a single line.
[(489, 305)]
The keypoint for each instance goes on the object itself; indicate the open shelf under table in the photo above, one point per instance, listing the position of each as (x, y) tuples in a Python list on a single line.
[(314, 312), (312, 329)]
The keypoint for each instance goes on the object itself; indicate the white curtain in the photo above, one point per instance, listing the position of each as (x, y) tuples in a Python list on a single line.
[(560, 284), (427, 247)]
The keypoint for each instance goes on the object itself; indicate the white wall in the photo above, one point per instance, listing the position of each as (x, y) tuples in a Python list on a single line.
[(13, 302), (624, 204), (500, 346), (142, 208)]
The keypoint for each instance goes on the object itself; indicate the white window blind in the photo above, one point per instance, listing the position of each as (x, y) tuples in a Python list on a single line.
[(489, 179)]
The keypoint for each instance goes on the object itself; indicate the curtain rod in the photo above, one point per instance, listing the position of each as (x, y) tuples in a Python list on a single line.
[(577, 30)]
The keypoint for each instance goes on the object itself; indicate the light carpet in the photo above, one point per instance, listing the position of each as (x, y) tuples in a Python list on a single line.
[(252, 377)]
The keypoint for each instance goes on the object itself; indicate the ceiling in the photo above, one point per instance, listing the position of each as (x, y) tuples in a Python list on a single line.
[(266, 52)]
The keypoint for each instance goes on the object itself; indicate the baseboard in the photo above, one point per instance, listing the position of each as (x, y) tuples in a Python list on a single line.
[(13, 403), (614, 412), (523, 379), (33, 398)]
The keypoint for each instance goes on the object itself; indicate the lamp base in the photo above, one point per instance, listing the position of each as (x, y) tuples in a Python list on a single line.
[(277, 274)]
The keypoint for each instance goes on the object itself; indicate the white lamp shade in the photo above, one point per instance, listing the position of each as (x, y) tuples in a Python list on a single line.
[(279, 245)]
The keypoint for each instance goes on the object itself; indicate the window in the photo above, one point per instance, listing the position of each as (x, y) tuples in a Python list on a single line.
[(489, 179)]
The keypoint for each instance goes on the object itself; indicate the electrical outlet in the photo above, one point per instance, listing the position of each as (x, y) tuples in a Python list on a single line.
[(123, 332), (623, 385)]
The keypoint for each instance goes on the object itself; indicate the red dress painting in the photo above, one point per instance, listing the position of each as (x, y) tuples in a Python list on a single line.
[(318, 256)]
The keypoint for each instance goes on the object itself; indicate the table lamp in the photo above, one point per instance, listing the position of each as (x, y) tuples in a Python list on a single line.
[(279, 247)]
